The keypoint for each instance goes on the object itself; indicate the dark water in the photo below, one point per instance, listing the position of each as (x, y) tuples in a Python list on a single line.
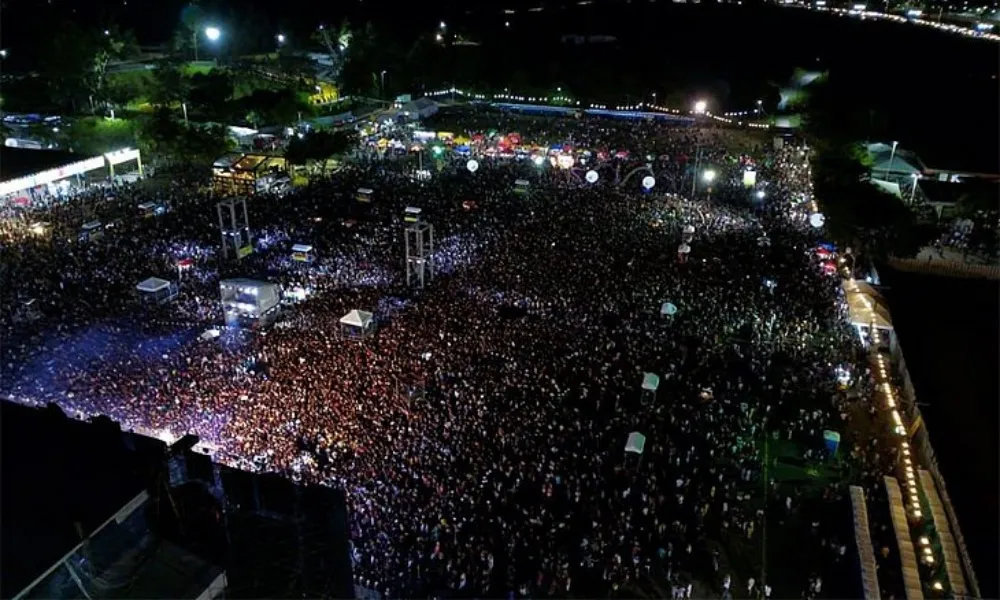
[(950, 332)]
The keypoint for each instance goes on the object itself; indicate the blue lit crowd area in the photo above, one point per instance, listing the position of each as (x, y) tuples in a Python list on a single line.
[(592, 278)]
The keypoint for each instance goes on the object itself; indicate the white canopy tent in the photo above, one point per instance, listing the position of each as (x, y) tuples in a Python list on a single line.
[(156, 291), (650, 382), (357, 324), (636, 443), (668, 309)]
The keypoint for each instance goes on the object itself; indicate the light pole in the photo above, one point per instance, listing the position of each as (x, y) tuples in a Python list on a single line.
[(913, 190), (212, 33), (892, 157), (382, 88), (709, 177)]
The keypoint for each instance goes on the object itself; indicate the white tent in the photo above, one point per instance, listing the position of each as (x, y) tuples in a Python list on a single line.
[(357, 318), (650, 382), (156, 290), (153, 285), (636, 443), (668, 309)]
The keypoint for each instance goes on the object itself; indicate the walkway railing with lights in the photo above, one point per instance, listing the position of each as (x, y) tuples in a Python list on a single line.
[(948, 548), (921, 444), (909, 520)]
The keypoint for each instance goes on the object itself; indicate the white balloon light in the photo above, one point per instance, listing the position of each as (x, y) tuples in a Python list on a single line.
[(648, 182), (472, 165), (591, 176), (817, 220)]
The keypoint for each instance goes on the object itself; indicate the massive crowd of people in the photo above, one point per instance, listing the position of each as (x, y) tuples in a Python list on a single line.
[(480, 433)]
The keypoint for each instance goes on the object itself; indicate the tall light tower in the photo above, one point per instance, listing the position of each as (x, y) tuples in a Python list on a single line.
[(234, 225), (419, 240)]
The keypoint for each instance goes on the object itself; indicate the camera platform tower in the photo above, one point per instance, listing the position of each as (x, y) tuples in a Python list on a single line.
[(234, 225), (419, 239)]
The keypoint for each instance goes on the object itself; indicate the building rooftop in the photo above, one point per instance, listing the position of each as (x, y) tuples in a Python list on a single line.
[(20, 162)]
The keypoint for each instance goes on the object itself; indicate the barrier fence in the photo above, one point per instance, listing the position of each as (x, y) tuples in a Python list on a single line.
[(948, 268)]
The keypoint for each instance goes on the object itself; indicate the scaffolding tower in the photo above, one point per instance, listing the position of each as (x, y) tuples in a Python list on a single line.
[(419, 237), (235, 227)]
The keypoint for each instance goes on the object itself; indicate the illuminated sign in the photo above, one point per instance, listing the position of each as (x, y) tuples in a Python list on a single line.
[(749, 178), (124, 155)]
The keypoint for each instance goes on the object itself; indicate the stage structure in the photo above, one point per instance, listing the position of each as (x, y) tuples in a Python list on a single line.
[(419, 239), (234, 224), (156, 291), (249, 302), (357, 325)]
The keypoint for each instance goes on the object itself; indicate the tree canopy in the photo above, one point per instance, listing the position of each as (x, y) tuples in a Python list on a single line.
[(319, 145)]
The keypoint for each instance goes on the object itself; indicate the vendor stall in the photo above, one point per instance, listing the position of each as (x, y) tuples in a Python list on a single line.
[(357, 325), (238, 173), (91, 231), (156, 291), (302, 253)]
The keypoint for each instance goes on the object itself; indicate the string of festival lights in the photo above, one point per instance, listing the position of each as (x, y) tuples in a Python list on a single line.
[(731, 118)]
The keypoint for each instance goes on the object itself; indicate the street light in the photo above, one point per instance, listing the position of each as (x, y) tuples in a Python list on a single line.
[(3, 53), (892, 158), (281, 38), (700, 107), (913, 190), (213, 33), (382, 88), (442, 26), (708, 175), (439, 37)]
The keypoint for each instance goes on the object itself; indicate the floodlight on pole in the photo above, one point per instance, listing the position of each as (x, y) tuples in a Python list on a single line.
[(442, 25), (708, 175), (281, 38), (700, 107), (213, 33)]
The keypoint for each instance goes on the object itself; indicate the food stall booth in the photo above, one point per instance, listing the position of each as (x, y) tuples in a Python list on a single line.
[(239, 173), (91, 231), (302, 253), (156, 291)]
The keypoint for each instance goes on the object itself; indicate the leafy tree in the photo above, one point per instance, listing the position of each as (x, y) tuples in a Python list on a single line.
[(163, 136), (336, 42), (320, 145), (210, 91), (274, 107), (97, 135), (857, 213), (170, 86)]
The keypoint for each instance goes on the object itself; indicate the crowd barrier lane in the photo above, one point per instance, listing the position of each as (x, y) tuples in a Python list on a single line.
[(947, 268), (921, 443)]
